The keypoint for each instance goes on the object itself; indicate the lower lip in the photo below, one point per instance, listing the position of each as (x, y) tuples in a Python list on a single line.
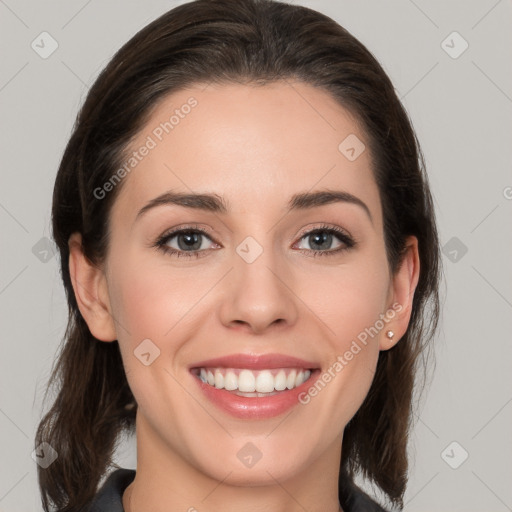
[(255, 408)]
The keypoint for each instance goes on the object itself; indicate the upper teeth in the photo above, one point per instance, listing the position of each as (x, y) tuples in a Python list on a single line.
[(262, 381)]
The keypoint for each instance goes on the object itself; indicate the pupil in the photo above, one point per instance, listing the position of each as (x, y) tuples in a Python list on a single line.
[(323, 238), (191, 240)]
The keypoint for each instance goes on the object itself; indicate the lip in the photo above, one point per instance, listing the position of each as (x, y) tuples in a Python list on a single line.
[(255, 408), (256, 362)]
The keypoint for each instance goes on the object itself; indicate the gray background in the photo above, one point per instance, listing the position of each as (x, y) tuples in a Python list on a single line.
[(461, 109)]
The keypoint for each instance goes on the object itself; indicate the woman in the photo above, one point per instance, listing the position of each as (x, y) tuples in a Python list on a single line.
[(226, 146)]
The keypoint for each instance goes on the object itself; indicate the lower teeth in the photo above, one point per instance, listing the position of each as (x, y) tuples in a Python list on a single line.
[(255, 393), (246, 394)]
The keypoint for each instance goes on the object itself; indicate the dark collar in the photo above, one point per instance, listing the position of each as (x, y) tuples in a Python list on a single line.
[(110, 497)]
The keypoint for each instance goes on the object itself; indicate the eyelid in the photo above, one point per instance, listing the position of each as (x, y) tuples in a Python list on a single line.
[(188, 227), (305, 230), (343, 235), (162, 240), (323, 227)]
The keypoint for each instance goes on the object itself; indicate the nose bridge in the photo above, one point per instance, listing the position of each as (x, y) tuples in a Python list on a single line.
[(259, 294)]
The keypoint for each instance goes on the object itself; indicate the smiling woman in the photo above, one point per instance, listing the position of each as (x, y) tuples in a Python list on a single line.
[(252, 297)]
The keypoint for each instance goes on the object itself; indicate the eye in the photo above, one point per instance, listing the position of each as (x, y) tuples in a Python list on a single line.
[(189, 242), (185, 242), (320, 241)]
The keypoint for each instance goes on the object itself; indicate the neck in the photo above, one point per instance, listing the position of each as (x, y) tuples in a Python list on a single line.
[(165, 481)]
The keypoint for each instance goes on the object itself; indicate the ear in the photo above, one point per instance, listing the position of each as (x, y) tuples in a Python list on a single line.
[(404, 284), (91, 292)]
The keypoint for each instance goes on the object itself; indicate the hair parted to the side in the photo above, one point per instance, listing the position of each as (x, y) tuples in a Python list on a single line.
[(232, 41)]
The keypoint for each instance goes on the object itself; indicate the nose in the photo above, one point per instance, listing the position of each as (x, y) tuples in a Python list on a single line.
[(259, 295)]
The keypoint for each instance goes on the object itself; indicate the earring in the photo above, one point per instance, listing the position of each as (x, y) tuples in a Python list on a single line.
[(390, 334), (130, 406)]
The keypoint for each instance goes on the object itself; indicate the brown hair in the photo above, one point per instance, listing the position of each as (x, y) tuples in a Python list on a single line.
[(249, 42)]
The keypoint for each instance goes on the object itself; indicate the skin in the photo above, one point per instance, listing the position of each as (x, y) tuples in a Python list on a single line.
[(256, 147)]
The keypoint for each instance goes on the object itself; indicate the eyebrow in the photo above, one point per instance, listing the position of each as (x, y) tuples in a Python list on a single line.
[(216, 204)]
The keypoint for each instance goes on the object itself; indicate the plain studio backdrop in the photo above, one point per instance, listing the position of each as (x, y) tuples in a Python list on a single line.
[(450, 64)]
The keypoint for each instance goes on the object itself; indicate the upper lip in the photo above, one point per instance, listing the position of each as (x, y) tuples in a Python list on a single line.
[(256, 362)]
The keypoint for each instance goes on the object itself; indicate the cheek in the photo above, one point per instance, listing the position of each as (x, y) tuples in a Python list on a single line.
[(154, 301), (149, 305), (149, 302), (351, 303), (348, 299)]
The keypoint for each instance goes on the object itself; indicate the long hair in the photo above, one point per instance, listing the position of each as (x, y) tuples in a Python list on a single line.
[(245, 42)]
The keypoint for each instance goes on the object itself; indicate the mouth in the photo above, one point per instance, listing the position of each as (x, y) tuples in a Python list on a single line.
[(254, 387), (253, 383)]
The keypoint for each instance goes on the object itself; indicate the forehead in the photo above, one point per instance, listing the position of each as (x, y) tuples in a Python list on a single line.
[(251, 144)]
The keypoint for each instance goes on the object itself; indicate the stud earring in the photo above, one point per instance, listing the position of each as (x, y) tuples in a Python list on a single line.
[(390, 334)]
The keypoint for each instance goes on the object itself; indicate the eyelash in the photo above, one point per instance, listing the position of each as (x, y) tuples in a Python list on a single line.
[(343, 237)]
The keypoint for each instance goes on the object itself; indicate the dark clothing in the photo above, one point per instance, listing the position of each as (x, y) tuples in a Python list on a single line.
[(109, 497)]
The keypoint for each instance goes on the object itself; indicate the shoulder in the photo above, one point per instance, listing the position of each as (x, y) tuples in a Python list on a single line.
[(110, 496), (353, 499), (361, 502)]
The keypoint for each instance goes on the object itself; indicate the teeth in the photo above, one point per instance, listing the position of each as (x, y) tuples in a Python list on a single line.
[(280, 381), (231, 381), (246, 381), (254, 383), (240, 393), (219, 379), (290, 381), (264, 382)]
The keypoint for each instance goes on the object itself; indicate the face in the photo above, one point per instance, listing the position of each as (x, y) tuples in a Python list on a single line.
[(249, 277)]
